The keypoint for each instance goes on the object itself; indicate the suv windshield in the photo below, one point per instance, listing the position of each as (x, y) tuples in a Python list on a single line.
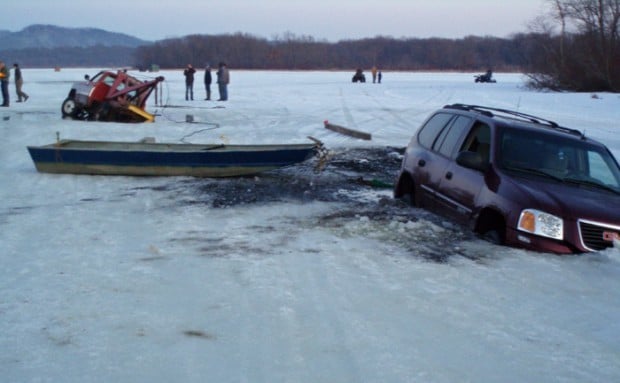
[(564, 159)]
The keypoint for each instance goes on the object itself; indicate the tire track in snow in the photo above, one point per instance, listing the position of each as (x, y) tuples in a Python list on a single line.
[(348, 116), (409, 118)]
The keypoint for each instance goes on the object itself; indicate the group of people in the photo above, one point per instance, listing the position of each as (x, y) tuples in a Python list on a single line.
[(223, 78), (376, 74), (5, 75)]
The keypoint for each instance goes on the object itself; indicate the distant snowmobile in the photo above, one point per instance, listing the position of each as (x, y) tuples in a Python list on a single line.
[(358, 76), (486, 77)]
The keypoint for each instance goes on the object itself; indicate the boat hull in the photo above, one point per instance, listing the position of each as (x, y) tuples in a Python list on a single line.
[(161, 159)]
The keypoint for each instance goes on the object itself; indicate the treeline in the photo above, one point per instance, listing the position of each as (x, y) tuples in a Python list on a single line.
[(575, 46), (243, 51), (289, 52), (96, 56)]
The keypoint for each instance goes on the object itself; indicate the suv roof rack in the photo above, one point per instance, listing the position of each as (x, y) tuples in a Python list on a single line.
[(489, 111)]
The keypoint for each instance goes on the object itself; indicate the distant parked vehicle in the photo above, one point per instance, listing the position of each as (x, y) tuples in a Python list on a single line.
[(358, 76), (515, 179)]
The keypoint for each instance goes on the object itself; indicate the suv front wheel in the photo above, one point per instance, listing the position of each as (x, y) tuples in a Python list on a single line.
[(491, 226)]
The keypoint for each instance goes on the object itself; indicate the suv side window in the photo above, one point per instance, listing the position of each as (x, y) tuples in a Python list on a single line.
[(432, 128), (449, 137), (479, 140)]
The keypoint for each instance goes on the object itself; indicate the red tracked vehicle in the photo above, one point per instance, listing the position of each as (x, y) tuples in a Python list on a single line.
[(109, 96)]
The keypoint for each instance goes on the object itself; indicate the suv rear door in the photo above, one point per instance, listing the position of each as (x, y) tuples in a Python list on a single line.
[(441, 144), (460, 186)]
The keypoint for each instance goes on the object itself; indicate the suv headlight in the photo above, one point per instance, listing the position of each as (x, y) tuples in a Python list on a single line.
[(541, 223)]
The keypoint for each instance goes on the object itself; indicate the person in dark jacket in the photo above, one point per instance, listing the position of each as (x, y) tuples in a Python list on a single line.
[(223, 78), (4, 83), (208, 81), (189, 82), (19, 82)]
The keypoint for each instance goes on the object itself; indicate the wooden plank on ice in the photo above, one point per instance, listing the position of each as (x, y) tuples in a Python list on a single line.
[(347, 131)]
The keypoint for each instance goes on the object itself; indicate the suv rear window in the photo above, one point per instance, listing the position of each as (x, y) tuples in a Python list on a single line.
[(450, 136), (431, 129), (442, 132)]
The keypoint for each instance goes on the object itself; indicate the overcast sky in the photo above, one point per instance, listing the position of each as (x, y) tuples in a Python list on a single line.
[(331, 20)]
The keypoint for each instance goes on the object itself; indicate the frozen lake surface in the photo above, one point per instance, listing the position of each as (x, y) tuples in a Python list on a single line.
[(290, 276)]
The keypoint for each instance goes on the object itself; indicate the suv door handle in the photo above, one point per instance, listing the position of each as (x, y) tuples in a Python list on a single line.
[(421, 163), (449, 175)]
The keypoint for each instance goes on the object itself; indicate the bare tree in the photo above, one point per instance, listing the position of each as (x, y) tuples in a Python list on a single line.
[(599, 20), (585, 54)]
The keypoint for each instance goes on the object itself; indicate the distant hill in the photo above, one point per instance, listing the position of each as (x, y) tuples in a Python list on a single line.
[(50, 36), (50, 46)]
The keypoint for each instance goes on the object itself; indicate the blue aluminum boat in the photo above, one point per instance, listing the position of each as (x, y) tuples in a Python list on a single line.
[(146, 158)]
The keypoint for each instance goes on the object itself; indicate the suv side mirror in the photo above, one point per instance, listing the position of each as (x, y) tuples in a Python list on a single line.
[(472, 160)]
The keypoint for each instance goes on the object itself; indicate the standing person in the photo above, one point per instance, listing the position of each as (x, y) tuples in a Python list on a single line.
[(189, 82), (223, 78), (208, 81), (4, 83), (19, 82), (379, 76), (374, 74)]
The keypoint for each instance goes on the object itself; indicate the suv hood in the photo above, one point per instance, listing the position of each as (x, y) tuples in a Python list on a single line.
[(566, 200)]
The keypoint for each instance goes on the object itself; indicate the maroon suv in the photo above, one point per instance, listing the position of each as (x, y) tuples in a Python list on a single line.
[(515, 179)]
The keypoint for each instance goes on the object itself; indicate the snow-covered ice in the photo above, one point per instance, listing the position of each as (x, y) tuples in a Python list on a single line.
[(121, 279)]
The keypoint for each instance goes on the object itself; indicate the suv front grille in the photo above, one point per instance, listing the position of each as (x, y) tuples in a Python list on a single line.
[(597, 236)]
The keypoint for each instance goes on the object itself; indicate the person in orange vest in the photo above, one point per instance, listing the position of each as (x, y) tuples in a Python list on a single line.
[(4, 83)]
